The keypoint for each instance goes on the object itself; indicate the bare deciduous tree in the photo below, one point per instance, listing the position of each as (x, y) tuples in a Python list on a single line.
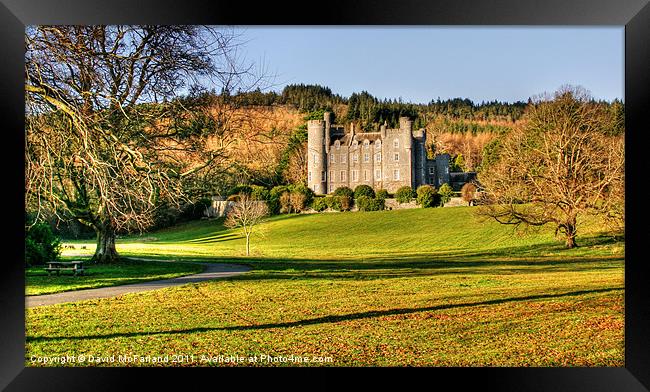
[(105, 139), (559, 164), (246, 214)]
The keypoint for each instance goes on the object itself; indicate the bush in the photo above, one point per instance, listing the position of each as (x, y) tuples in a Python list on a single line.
[(285, 203), (259, 192), (382, 194), (344, 191), (273, 201), (364, 190), (346, 202), (304, 190), (427, 196), (298, 201), (404, 194), (41, 245), (334, 203), (239, 189), (365, 203), (445, 192), (319, 204), (468, 193)]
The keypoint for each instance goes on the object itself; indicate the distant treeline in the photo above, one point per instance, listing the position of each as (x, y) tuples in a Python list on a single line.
[(370, 112)]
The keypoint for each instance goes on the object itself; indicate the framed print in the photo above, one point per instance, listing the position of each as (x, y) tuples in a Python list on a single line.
[(356, 185)]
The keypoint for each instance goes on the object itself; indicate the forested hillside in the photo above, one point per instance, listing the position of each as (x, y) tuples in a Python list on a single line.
[(458, 126)]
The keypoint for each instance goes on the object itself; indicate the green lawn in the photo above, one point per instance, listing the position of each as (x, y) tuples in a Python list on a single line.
[(433, 287), (38, 282)]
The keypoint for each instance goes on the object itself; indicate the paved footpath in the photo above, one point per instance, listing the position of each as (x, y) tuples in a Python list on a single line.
[(212, 271)]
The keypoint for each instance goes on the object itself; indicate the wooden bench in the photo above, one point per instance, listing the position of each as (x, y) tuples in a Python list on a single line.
[(58, 266)]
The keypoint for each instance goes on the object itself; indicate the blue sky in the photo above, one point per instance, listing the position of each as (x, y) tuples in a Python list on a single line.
[(419, 64)]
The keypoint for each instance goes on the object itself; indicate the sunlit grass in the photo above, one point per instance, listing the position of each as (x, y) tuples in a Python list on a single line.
[(38, 282), (414, 287)]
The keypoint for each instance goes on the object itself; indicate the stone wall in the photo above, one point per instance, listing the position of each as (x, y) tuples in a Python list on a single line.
[(392, 204), (455, 202), (219, 207)]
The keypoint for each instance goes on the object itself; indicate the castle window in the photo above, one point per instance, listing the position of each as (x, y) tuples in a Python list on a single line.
[(355, 158), (344, 158), (331, 188), (378, 157), (396, 156), (309, 175), (332, 159), (366, 144), (343, 175), (322, 176), (395, 174), (377, 144), (354, 175), (396, 143), (315, 159), (365, 175), (355, 144), (431, 170), (378, 174), (366, 157), (337, 144)]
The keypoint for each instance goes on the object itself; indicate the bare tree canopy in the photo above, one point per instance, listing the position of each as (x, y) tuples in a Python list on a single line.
[(246, 214), (559, 164), (105, 138)]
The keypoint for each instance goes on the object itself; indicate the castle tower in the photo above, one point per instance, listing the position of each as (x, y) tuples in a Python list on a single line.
[(316, 156), (406, 129), (420, 156), (327, 116)]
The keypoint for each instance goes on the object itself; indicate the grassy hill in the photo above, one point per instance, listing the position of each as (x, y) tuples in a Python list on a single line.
[(432, 287), (437, 232)]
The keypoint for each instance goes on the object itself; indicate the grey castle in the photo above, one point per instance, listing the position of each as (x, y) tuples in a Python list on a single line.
[(387, 159)]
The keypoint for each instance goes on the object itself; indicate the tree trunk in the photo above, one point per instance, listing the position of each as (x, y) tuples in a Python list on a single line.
[(105, 252), (571, 230), (248, 245)]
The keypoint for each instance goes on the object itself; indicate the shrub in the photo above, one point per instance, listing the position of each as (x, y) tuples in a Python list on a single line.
[(259, 193), (334, 203), (273, 201), (365, 203), (304, 190), (364, 190), (382, 194), (344, 191), (427, 196), (298, 201), (445, 192), (285, 203), (239, 189), (41, 245), (404, 194), (468, 193), (319, 204), (346, 202)]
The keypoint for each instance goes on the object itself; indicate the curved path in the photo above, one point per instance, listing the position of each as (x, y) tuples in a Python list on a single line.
[(212, 271)]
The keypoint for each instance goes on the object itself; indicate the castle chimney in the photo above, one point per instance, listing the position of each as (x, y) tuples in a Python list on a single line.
[(382, 129)]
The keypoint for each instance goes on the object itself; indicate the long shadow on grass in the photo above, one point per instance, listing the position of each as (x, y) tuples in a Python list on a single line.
[(327, 319), (405, 266)]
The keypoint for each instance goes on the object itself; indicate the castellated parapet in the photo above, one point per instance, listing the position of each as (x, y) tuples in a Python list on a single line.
[(388, 159)]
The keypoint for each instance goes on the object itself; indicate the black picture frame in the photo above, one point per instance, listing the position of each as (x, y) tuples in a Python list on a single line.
[(633, 14)]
